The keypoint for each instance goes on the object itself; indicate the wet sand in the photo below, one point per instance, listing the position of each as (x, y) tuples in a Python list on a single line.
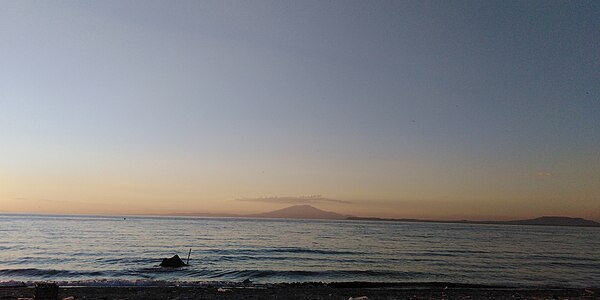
[(311, 291)]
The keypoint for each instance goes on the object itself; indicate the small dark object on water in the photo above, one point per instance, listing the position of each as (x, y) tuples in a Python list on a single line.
[(247, 281), (46, 291), (173, 262)]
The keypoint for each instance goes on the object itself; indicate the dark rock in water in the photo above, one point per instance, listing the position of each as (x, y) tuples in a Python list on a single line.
[(247, 281), (173, 262)]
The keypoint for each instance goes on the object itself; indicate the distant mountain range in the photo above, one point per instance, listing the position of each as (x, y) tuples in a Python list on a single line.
[(300, 212), (541, 221), (310, 212), (556, 221)]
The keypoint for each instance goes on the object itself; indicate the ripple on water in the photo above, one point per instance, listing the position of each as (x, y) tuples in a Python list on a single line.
[(94, 249)]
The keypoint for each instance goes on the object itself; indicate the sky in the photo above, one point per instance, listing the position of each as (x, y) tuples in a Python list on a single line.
[(430, 109)]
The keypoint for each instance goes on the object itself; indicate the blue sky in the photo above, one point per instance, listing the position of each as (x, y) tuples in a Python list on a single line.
[(405, 108)]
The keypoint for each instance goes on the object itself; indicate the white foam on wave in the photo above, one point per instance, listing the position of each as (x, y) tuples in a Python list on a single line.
[(12, 283), (118, 283)]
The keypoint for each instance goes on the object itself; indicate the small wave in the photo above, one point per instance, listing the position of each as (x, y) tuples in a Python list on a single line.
[(128, 260), (306, 250), (47, 273), (116, 283), (277, 250), (12, 283), (28, 260), (467, 251), (302, 275), (261, 258)]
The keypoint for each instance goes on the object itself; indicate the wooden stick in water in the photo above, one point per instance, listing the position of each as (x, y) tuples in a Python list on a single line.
[(188, 260)]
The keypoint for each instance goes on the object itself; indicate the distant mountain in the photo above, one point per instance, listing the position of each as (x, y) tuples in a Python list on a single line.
[(542, 221), (300, 212), (309, 212), (556, 221)]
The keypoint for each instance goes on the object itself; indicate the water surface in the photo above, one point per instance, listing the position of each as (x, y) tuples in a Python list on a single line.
[(92, 248)]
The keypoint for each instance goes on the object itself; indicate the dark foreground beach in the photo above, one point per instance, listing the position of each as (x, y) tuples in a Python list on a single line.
[(310, 291)]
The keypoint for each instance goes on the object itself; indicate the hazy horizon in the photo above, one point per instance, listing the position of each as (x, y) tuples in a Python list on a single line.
[(236, 214), (408, 109)]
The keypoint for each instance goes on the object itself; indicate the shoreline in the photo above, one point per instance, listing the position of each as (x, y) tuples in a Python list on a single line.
[(310, 290), (144, 283)]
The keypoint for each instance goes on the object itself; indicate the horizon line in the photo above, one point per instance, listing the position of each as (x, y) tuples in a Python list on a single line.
[(252, 216)]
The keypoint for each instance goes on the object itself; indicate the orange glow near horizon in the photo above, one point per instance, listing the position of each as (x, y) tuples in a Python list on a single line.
[(94, 196)]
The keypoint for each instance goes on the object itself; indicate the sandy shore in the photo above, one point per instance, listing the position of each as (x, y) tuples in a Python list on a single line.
[(310, 291)]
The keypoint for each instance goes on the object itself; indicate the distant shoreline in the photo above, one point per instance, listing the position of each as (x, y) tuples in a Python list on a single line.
[(542, 221), (530, 222), (310, 212)]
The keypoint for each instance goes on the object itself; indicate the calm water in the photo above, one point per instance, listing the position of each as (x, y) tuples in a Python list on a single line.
[(109, 250)]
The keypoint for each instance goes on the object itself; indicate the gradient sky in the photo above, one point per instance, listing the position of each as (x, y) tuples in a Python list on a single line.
[(444, 109)]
